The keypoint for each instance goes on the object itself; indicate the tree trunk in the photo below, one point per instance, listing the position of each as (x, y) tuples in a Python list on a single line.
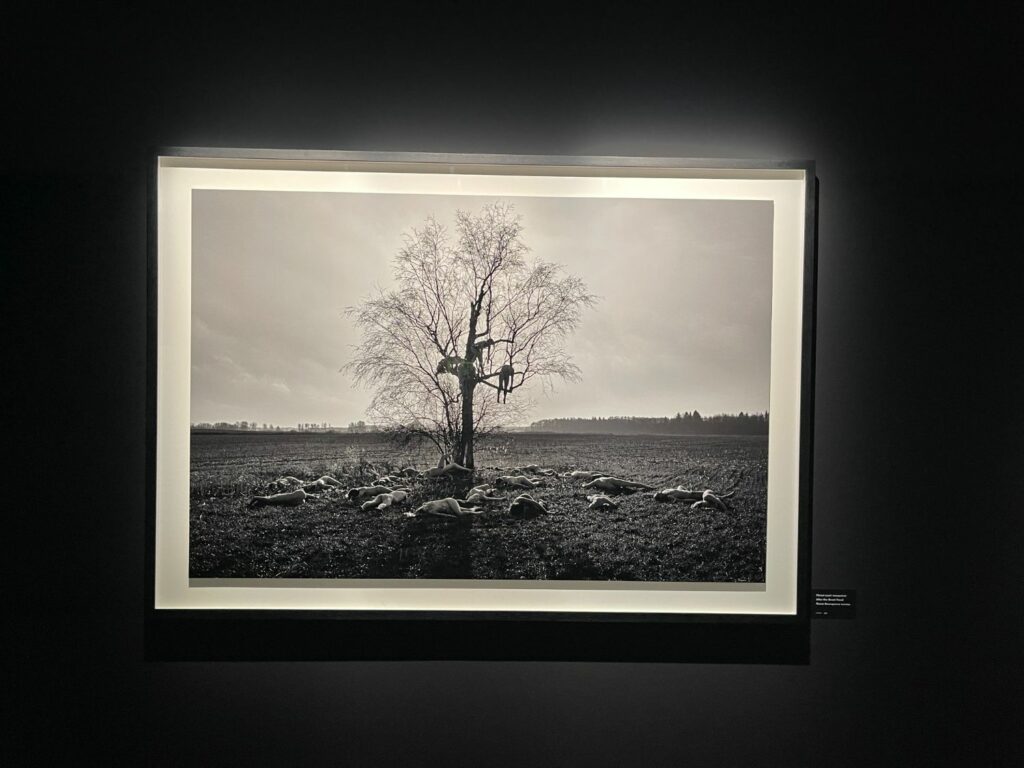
[(466, 447), (467, 383)]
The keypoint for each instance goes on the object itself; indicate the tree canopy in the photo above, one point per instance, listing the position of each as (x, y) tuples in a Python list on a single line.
[(471, 316)]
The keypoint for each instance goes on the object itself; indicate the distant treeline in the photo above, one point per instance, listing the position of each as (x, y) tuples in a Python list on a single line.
[(255, 426), (689, 423)]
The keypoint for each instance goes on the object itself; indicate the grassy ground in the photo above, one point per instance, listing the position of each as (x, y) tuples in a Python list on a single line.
[(642, 540)]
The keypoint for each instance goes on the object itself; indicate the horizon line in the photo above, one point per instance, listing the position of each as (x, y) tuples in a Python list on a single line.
[(319, 424)]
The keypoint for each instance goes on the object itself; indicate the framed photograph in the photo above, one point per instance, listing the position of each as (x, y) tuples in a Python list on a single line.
[(402, 388)]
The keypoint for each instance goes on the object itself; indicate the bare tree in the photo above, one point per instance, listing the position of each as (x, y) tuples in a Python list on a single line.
[(468, 316)]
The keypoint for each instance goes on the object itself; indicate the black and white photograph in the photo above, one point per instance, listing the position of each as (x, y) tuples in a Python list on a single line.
[(479, 387)]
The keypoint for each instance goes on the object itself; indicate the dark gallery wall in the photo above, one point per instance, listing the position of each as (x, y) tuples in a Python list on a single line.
[(917, 460)]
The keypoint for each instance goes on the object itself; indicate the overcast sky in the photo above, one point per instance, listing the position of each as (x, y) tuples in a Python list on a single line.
[(683, 322)]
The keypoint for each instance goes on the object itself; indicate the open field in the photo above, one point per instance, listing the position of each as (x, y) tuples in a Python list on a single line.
[(642, 540)]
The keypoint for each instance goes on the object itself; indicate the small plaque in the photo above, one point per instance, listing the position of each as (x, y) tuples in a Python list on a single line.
[(834, 604)]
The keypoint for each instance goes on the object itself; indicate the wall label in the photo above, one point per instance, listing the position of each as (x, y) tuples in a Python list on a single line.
[(834, 603)]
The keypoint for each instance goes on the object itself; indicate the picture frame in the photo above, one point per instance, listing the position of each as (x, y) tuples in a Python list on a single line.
[(188, 618)]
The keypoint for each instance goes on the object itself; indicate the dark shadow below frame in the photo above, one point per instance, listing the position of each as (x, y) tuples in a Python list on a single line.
[(310, 636)]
